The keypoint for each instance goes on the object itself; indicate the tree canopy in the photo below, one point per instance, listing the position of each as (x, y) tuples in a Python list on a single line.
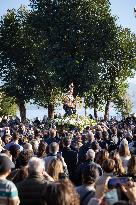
[(59, 42)]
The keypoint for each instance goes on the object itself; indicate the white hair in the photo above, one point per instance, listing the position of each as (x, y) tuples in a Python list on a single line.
[(36, 165), (28, 146), (90, 154)]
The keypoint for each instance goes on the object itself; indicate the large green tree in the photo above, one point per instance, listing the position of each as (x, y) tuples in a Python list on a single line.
[(76, 35), (17, 58), (115, 68)]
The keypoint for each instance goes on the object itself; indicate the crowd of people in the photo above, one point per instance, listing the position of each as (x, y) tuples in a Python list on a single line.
[(68, 167)]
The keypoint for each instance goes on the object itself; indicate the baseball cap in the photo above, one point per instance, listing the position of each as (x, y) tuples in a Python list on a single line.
[(5, 164)]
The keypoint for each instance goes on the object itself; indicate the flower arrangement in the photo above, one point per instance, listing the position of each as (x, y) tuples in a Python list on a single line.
[(74, 122)]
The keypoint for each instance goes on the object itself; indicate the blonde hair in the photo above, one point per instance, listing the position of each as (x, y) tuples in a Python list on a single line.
[(119, 169), (55, 168), (124, 150)]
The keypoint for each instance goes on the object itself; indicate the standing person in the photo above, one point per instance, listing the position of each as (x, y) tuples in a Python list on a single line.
[(53, 150), (83, 149), (30, 189), (55, 169), (87, 189), (124, 153), (60, 193), (15, 142), (70, 158), (52, 137), (90, 157), (54, 154), (8, 190)]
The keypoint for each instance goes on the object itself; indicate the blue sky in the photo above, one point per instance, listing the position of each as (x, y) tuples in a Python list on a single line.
[(122, 8)]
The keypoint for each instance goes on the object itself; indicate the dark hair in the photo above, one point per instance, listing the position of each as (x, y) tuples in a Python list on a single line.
[(15, 136), (24, 157), (67, 141), (14, 151), (98, 135), (95, 146), (60, 193), (132, 166), (42, 149), (90, 174), (101, 156)]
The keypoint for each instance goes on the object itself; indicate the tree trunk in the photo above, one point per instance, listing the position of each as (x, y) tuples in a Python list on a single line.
[(22, 109), (51, 111), (95, 113), (106, 115)]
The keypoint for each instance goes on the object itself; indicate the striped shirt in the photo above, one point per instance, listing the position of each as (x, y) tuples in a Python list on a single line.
[(8, 191)]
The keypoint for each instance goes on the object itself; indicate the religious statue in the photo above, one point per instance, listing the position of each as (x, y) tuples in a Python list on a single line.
[(70, 102)]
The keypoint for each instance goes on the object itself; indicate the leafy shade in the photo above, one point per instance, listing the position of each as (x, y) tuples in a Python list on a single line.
[(7, 105)]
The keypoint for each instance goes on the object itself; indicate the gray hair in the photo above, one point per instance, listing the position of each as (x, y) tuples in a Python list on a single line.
[(28, 146), (36, 165), (54, 147)]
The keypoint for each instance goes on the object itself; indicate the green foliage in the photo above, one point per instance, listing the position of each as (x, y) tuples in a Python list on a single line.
[(16, 56), (7, 105), (76, 35), (114, 72), (58, 42), (124, 105)]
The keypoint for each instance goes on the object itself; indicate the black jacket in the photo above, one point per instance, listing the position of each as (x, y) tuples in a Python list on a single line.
[(70, 158), (30, 189)]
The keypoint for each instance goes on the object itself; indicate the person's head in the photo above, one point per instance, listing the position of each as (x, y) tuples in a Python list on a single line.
[(15, 136), (67, 141), (35, 145), (124, 150), (114, 130), (24, 157), (36, 165), (98, 135), (52, 133), (53, 148), (119, 169), (7, 153), (60, 193), (90, 174), (28, 146), (42, 149), (132, 166), (90, 155), (95, 146), (101, 156), (108, 165), (90, 136), (6, 138), (5, 165), (14, 151), (55, 168), (105, 135)]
